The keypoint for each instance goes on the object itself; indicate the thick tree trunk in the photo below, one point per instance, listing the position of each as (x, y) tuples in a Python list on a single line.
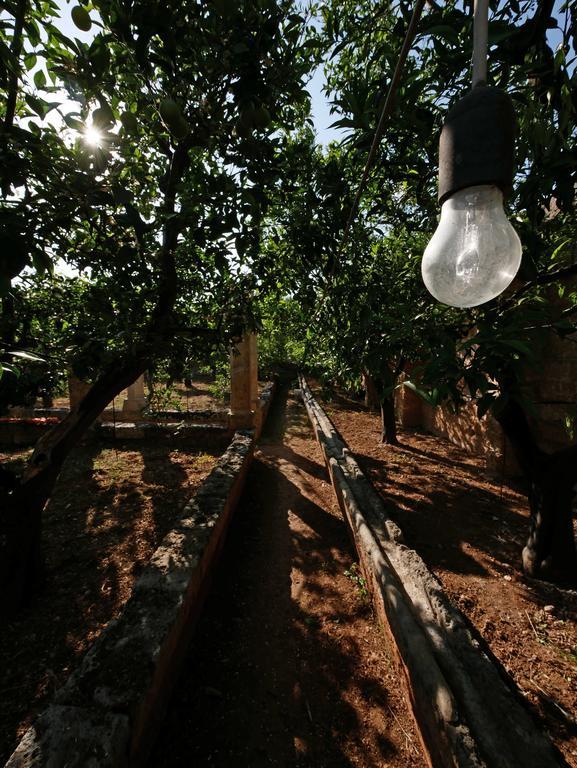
[(389, 424), (22, 506), (21, 514), (550, 551)]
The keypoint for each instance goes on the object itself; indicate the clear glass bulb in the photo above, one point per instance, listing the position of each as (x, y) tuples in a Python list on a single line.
[(475, 252)]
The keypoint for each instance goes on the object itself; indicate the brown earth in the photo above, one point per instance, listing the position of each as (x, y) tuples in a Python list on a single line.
[(470, 528), (109, 511), (289, 666), (200, 396)]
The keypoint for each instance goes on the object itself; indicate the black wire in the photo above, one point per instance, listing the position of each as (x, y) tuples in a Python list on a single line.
[(385, 114)]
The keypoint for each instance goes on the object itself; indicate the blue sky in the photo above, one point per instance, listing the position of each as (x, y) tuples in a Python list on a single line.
[(320, 110), (320, 107)]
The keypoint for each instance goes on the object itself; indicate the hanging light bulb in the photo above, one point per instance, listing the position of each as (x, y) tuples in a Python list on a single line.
[(475, 252)]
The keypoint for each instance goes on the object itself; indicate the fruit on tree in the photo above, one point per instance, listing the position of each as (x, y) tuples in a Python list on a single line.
[(129, 122), (103, 117), (173, 118), (81, 18)]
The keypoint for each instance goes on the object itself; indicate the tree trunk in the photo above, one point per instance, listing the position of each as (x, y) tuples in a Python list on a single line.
[(550, 551), (389, 424), (149, 380), (22, 506), (21, 565)]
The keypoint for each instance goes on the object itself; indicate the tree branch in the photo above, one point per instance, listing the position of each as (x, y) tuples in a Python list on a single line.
[(544, 279), (15, 50)]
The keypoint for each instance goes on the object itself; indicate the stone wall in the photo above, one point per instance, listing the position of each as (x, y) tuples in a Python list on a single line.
[(459, 697), (552, 386), (481, 437), (108, 712)]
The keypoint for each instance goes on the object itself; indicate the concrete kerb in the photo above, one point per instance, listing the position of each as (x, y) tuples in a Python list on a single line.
[(467, 709), (107, 713)]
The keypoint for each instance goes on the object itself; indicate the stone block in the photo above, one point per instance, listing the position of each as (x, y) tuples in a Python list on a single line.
[(72, 737)]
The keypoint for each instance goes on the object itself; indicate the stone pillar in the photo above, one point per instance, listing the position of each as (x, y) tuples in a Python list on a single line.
[(244, 402), (76, 389), (408, 407), (135, 400)]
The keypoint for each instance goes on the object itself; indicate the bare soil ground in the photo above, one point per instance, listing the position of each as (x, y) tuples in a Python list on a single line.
[(201, 396), (288, 666), (470, 528), (110, 509)]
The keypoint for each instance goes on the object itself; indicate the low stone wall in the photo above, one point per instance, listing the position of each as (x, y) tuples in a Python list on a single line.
[(197, 435), (204, 429), (481, 437), (265, 400), (467, 710), (108, 712), (105, 715), (200, 417), (21, 432)]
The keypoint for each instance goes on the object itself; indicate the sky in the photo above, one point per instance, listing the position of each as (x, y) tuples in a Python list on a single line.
[(320, 107), (322, 118)]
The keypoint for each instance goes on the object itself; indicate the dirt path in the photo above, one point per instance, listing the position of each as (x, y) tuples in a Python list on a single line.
[(470, 529), (288, 666)]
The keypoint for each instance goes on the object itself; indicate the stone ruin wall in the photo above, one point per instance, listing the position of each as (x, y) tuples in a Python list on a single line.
[(553, 388)]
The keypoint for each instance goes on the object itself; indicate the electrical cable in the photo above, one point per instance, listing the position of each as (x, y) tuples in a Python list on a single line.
[(480, 41), (385, 114)]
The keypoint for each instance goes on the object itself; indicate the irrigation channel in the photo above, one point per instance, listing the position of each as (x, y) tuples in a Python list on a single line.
[(288, 666)]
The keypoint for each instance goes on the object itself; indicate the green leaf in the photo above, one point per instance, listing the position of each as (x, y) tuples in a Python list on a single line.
[(30, 61), (559, 248), (39, 78), (27, 356), (4, 367), (499, 31), (432, 398), (442, 30), (73, 122), (37, 105), (520, 346), (42, 262)]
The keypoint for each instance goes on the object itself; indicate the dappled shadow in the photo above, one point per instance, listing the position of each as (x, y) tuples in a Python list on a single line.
[(325, 525), (426, 493), (444, 499), (470, 528), (109, 510), (306, 465), (351, 403), (459, 460), (167, 481), (268, 681)]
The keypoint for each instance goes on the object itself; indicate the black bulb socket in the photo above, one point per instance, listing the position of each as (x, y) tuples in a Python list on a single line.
[(477, 144)]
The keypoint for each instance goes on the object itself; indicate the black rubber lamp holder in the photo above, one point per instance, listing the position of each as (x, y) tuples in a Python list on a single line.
[(477, 143)]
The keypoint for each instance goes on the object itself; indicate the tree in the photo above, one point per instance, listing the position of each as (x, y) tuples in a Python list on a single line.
[(481, 352), (183, 103)]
